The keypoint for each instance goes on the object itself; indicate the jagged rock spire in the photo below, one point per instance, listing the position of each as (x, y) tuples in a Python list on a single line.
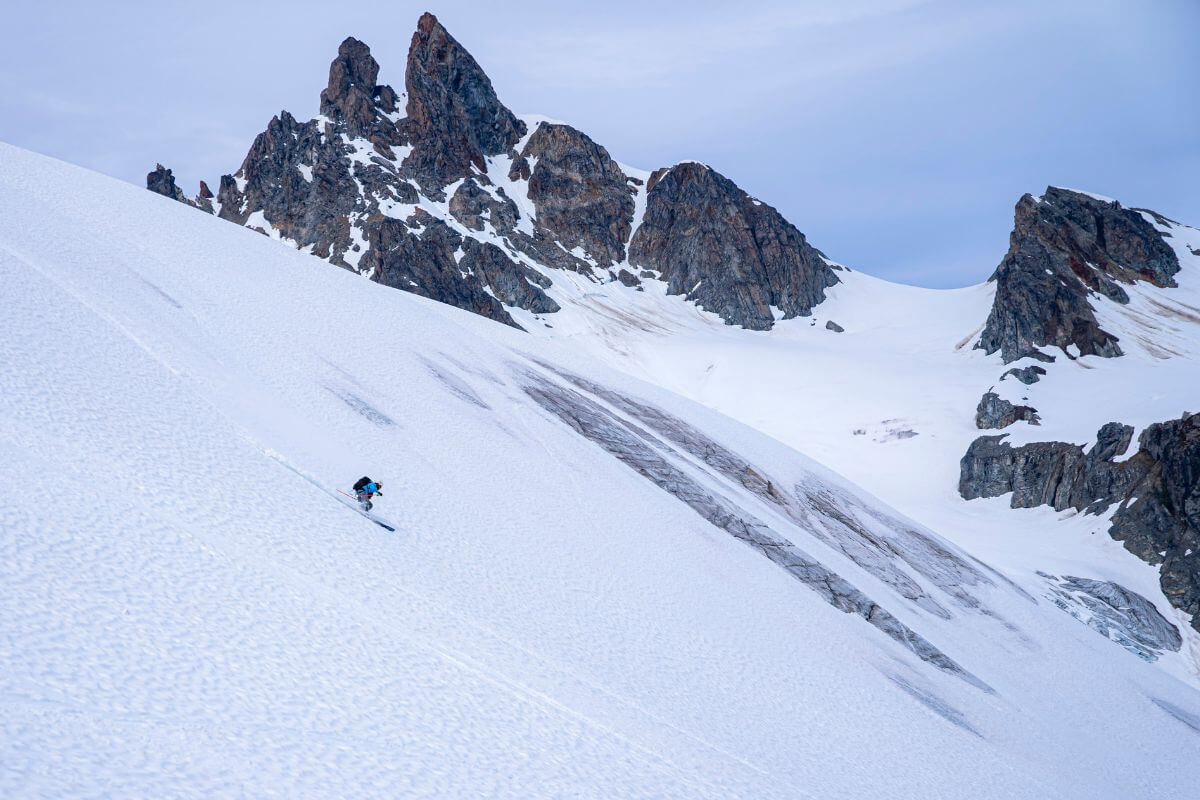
[(352, 94), (455, 118)]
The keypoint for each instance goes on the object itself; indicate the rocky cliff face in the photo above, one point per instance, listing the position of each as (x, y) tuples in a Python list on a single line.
[(1067, 249), (455, 120), (730, 253), (442, 191), (1157, 490), (581, 196)]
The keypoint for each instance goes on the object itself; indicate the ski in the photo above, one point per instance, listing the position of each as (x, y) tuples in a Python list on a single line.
[(366, 514), (352, 506)]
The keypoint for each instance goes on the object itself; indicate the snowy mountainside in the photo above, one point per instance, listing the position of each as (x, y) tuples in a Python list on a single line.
[(891, 401), (596, 588)]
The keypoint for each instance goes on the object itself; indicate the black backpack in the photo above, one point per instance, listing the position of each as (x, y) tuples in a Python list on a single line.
[(361, 482)]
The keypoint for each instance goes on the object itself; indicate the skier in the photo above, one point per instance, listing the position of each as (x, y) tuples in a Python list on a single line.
[(365, 489)]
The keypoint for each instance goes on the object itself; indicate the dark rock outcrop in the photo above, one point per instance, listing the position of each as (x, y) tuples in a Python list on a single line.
[(423, 256), (455, 118), (1157, 490), (1056, 474), (162, 181), (627, 278), (581, 196), (996, 412), (422, 260), (1027, 375), (1067, 247), (830, 325), (1037, 474), (1160, 521), (352, 96), (733, 255), (474, 206), (512, 282), (302, 183)]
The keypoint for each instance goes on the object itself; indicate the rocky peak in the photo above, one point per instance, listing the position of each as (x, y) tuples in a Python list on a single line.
[(369, 191), (352, 96), (581, 196), (1067, 247), (732, 254), (455, 118)]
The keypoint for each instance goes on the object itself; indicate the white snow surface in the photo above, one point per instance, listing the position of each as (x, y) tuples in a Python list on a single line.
[(890, 403), (189, 611)]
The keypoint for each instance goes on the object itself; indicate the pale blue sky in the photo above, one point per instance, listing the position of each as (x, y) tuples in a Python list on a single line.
[(897, 134)]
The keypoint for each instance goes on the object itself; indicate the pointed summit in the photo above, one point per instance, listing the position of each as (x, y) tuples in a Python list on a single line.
[(352, 94), (455, 117)]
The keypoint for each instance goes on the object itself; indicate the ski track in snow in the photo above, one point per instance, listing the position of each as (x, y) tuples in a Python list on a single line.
[(188, 612)]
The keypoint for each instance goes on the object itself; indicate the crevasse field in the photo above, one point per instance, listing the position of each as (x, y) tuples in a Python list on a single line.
[(596, 588)]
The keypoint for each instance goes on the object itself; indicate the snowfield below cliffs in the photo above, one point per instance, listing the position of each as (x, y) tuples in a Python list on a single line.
[(596, 588)]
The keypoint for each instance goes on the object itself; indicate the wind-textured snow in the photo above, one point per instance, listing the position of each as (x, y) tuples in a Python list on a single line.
[(188, 610)]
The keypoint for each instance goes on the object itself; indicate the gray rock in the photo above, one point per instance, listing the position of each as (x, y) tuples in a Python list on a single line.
[(830, 325), (1042, 473), (1159, 518), (1157, 491), (513, 283), (162, 181), (627, 278), (353, 98), (309, 213), (474, 207), (580, 194), (1027, 375), (732, 255), (455, 120), (423, 262), (1066, 247), (996, 412)]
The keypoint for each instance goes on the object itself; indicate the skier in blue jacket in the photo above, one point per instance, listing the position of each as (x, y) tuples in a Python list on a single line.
[(365, 489)]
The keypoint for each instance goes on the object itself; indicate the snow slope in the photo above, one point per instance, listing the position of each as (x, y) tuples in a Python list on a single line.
[(188, 610), (890, 402)]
